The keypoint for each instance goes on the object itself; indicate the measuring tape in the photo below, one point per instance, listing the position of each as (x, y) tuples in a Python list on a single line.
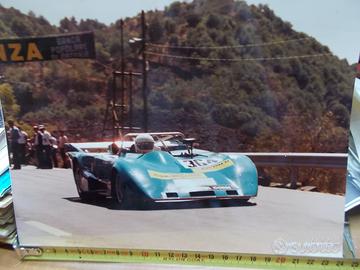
[(184, 258)]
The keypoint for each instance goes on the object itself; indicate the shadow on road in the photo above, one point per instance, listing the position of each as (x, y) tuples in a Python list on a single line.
[(145, 206)]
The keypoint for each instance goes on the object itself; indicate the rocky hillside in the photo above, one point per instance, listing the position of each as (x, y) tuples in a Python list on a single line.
[(234, 75)]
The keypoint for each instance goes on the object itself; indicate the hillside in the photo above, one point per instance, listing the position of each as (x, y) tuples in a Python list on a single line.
[(272, 101)]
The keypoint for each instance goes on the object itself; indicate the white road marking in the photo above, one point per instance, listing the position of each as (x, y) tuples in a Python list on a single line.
[(47, 228)]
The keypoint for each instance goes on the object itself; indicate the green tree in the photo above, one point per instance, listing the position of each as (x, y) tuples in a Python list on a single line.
[(170, 26), (174, 9), (156, 30), (8, 100), (68, 25), (21, 27), (193, 19), (213, 21)]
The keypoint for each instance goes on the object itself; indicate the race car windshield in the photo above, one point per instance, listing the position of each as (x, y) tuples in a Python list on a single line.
[(145, 145)]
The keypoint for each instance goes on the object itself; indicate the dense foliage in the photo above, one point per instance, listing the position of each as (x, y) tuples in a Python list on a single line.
[(288, 105)]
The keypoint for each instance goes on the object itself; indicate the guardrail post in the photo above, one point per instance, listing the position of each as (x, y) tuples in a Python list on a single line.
[(294, 173)]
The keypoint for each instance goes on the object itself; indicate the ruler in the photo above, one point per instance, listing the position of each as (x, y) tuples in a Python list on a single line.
[(184, 258)]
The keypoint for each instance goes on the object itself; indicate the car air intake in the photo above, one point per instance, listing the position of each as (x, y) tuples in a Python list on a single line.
[(172, 194), (202, 193), (232, 192)]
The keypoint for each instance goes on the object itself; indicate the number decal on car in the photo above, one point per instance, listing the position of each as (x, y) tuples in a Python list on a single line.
[(194, 163), (207, 165)]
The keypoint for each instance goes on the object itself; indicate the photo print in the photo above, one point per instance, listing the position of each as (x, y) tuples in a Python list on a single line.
[(199, 125)]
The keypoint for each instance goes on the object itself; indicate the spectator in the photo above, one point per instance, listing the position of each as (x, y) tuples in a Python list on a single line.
[(39, 148), (62, 141), (47, 145), (22, 142), (30, 150), (15, 148), (54, 150)]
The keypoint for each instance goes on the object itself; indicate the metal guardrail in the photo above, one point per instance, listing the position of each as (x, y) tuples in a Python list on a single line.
[(314, 160), (294, 161)]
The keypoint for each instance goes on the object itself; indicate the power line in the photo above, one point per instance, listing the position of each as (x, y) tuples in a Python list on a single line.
[(263, 44), (239, 59)]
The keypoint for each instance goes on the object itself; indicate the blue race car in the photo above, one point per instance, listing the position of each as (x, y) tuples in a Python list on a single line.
[(175, 172)]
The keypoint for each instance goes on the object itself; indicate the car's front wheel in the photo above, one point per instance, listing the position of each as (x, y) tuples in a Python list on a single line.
[(119, 191), (82, 185)]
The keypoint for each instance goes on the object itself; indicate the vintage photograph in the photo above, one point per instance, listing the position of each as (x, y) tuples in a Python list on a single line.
[(352, 198), (201, 125), (4, 160)]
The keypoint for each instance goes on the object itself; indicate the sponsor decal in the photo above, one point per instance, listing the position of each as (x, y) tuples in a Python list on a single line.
[(198, 172), (221, 187), (175, 176)]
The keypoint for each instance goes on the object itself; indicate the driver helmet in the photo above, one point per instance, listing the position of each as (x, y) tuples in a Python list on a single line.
[(144, 143)]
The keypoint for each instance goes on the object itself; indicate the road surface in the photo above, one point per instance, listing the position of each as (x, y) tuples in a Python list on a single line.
[(49, 213)]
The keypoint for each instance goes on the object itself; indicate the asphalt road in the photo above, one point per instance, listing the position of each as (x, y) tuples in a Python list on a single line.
[(49, 213)]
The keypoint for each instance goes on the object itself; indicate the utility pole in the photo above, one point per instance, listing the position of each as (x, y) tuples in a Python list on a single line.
[(144, 72), (118, 120), (113, 109), (130, 101), (122, 114)]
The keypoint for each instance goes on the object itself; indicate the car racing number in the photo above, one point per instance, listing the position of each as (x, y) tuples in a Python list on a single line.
[(195, 163)]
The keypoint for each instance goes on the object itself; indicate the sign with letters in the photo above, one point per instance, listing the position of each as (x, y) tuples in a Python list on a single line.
[(76, 45)]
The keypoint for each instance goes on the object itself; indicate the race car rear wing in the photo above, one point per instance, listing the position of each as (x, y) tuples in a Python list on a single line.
[(91, 146), (126, 143), (164, 136)]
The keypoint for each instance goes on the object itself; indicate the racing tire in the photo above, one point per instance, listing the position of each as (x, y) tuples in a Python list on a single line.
[(119, 192), (84, 195), (122, 195), (242, 202)]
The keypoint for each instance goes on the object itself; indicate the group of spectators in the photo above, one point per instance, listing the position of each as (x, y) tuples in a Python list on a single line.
[(42, 147)]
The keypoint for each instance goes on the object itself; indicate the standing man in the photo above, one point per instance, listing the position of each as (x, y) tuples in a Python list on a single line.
[(47, 147), (54, 150), (63, 139), (22, 141), (38, 145), (15, 148)]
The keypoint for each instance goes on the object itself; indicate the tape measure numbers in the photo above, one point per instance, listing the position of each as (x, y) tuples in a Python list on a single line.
[(185, 257)]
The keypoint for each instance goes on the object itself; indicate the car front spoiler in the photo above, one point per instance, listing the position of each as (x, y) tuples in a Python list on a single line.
[(202, 198)]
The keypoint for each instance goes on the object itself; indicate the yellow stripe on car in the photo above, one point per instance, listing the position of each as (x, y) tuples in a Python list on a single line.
[(174, 176)]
